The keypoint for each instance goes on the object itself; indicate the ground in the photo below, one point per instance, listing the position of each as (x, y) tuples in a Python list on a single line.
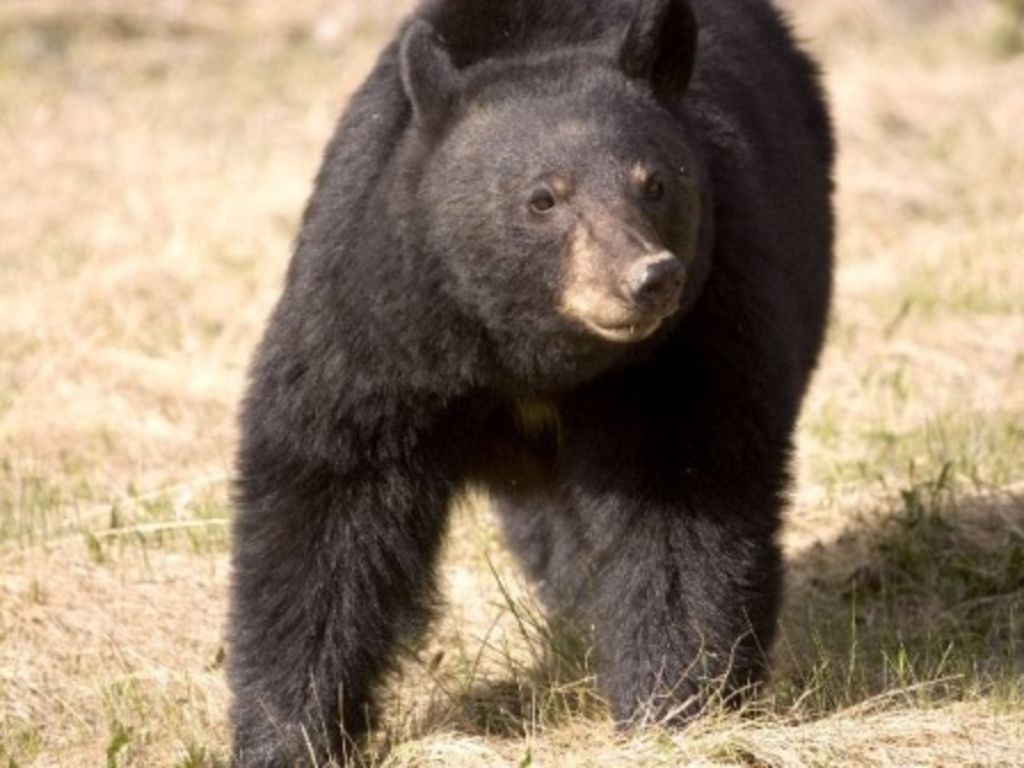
[(154, 159)]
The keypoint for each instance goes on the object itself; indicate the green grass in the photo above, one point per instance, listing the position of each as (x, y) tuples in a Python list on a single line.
[(31, 508), (1007, 32), (932, 603), (981, 448)]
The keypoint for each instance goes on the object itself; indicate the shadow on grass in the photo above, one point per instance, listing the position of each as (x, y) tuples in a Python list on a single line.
[(917, 607), (927, 601), (547, 681)]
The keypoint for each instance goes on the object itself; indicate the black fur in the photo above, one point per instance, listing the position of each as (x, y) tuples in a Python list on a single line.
[(419, 314)]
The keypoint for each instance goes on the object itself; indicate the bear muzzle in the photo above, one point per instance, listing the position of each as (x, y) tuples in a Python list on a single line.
[(622, 301)]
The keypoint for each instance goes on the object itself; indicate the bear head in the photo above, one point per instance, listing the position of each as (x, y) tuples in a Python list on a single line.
[(562, 191)]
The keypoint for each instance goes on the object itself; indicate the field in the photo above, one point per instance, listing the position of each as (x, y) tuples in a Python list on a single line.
[(155, 157)]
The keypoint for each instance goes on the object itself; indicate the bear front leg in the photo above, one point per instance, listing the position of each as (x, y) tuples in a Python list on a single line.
[(331, 575), (681, 572), (683, 606)]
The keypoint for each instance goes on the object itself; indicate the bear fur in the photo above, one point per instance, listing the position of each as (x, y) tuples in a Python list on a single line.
[(579, 252)]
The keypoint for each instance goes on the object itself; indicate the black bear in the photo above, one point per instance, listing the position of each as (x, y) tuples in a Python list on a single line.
[(578, 251)]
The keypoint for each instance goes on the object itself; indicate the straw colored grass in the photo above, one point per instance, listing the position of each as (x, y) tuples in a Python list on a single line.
[(155, 158)]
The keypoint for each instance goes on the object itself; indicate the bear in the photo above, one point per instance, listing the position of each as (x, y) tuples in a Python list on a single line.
[(578, 252)]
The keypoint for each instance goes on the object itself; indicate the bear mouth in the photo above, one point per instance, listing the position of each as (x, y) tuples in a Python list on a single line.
[(620, 321), (627, 332)]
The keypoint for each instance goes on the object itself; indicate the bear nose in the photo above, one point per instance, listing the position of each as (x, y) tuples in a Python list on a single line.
[(656, 280)]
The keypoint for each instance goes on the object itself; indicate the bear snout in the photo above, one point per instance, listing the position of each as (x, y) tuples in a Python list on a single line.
[(618, 297)]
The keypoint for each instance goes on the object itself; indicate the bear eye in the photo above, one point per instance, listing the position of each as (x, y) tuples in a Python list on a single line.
[(654, 189), (542, 201)]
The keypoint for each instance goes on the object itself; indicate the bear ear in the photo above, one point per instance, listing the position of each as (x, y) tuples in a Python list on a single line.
[(430, 80), (660, 46)]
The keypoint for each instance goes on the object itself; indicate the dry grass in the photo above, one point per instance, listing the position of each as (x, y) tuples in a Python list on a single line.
[(155, 158)]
